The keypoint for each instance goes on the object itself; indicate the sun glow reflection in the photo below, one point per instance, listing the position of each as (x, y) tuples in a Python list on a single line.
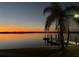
[(12, 37)]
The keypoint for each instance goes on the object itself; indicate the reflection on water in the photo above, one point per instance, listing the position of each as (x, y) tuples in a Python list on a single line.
[(8, 41)]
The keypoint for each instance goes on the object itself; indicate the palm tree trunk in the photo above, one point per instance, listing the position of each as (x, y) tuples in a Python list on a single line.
[(67, 37), (61, 32), (61, 38), (76, 41)]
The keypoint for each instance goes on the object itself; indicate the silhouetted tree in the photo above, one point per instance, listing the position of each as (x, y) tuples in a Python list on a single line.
[(61, 15), (67, 37), (72, 11), (76, 41)]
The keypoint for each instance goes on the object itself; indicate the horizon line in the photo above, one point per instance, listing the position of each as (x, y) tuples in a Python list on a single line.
[(21, 32)]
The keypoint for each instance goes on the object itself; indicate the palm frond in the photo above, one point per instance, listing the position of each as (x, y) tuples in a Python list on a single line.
[(49, 21), (72, 8), (77, 20), (48, 9), (55, 4)]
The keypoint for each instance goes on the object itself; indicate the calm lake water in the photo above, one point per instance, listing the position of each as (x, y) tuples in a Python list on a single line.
[(10, 41)]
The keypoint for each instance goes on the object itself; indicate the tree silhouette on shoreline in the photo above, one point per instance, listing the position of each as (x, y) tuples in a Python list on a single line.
[(60, 15)]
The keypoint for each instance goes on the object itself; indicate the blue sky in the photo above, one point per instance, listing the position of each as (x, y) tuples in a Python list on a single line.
[(22, 14), (26, 15)]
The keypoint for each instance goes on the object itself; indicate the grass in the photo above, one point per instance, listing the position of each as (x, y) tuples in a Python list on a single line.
[(72, 51)]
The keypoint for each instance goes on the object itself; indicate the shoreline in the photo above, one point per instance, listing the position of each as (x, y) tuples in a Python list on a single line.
[(70, 51)]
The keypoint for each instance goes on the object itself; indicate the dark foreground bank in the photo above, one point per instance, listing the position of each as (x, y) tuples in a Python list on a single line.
[(71, 51)]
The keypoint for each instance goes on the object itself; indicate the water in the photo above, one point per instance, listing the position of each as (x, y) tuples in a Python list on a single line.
[(11, 41)]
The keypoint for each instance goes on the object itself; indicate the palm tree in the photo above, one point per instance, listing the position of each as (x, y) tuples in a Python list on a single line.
[(76, 41), (60, 15), (67, 36), (72, 10)]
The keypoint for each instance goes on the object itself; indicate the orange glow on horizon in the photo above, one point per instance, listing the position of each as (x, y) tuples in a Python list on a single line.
[(18, 29), (9, 37)]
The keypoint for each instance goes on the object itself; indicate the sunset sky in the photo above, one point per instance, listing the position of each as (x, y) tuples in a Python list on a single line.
[(23, 16)]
